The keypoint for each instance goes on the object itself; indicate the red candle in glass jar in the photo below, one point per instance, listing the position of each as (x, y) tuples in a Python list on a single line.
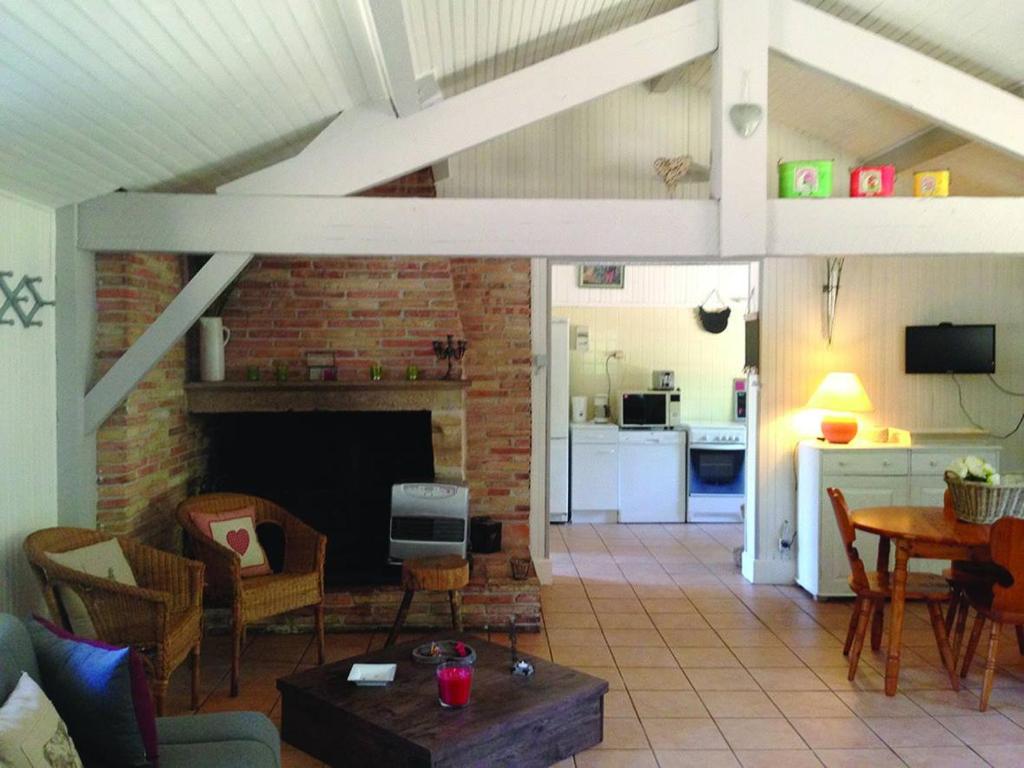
[(454, 681)]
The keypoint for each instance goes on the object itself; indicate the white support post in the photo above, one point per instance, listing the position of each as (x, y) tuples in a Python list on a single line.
[(539, 501), (367, 158), (739, 179), (76, 333), (909, 79), (146, 352)]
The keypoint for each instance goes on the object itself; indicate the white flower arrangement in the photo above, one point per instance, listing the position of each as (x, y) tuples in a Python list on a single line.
[(973, 469)]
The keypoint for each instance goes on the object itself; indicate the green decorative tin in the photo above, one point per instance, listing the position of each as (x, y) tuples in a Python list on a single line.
[(805, 178)]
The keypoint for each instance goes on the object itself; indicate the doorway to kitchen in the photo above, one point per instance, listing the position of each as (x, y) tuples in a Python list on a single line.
[(652, 375)]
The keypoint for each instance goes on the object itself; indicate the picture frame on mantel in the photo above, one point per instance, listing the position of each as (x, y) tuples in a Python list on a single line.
[(601, 275)]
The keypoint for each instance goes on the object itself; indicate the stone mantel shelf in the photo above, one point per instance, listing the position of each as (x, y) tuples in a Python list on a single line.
[(274, 396)]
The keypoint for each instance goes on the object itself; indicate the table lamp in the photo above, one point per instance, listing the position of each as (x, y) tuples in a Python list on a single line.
[(840, 394)]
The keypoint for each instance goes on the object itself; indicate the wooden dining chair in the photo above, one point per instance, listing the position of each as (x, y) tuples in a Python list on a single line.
[(1001, 602), (964, 577), (872, 589)]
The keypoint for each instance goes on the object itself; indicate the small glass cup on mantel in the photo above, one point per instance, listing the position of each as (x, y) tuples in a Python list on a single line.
[(454, 682)]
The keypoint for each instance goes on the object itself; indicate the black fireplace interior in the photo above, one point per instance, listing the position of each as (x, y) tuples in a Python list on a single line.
[(334, 470)]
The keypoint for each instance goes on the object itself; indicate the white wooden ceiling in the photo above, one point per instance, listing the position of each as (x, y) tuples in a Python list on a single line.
[(97, 95)]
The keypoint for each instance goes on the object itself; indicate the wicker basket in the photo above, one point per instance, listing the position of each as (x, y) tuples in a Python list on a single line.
[(983, 503)]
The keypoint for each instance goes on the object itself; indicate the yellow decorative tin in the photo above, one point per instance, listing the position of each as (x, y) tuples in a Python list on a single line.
[(931, 184)]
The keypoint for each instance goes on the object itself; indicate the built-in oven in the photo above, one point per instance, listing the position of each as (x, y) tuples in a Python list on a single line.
[(716, 473)]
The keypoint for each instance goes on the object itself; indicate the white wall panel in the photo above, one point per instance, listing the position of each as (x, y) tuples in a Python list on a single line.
[(656, 285), (878, 298), (606, 149), (28, 439), (658, 338)]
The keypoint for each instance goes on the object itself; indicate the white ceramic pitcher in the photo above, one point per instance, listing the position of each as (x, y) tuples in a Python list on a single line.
[(213, 337)]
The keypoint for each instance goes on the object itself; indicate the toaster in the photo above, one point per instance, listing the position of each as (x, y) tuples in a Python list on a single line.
[(663, 380)]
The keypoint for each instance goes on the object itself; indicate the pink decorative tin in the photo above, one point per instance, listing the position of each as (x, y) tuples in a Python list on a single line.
[(872, 181)]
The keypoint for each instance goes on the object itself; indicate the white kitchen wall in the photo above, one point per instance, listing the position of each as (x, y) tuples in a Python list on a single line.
[(28, 439), (879, 297), (652, 320), (606, 148), (656, 285)]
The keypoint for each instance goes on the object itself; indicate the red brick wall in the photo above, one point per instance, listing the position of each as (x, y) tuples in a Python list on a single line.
[(493, 296), (148, 450), (367, 311)]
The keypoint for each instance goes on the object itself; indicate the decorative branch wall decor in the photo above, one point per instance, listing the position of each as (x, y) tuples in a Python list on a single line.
[(833, 272), (23, 300)]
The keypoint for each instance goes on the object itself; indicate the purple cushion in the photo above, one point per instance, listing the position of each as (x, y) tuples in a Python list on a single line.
[(68, 660)]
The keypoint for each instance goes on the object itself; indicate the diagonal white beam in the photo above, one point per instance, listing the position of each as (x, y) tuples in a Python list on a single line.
[(909, 79), (152, 345), (361, 160)]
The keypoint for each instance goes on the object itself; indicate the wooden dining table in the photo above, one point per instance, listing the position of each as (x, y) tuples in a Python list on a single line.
[(925, 532)]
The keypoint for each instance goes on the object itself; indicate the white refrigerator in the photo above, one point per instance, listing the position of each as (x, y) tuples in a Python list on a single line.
[(558, 420)]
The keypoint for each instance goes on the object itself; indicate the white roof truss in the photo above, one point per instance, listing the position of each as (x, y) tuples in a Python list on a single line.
[(299, 206)]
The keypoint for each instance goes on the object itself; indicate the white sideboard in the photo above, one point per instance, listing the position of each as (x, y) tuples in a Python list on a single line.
[(869, 475)]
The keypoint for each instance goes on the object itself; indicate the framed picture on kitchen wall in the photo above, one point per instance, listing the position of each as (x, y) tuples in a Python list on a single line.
[(601, 275)]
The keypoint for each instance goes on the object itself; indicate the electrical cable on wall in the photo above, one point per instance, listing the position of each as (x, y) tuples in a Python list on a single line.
[(975, 424)]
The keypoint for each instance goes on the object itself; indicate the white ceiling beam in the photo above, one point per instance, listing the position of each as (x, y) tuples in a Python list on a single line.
[(666, 81), (594, 229), (158, 338), (322, 226), (739, 167), (919, 148), (395, 58), (907, 78), (896, 226), (365, 159)]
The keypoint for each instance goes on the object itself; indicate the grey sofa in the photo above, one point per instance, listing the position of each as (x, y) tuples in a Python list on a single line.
[(218, 740)]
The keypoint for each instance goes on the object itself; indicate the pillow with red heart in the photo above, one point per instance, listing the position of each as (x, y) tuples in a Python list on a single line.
[(236, 530)]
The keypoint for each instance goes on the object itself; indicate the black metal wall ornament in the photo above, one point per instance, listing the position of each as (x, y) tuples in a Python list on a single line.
[(21, 294)]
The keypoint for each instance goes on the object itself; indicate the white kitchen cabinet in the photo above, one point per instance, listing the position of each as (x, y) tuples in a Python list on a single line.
[(652, 476), (869, 475), (594, 483)]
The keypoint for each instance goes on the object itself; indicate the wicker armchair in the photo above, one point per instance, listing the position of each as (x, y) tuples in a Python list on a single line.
[(162, 617), (300, 584)]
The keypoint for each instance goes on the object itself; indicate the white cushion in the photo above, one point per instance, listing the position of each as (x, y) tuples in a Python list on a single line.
[(105, 560), (32, 735)]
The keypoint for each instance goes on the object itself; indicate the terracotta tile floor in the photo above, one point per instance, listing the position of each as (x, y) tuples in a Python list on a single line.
[(705, 669)]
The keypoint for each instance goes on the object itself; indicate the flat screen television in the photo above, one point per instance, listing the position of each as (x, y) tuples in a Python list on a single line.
[(948, 348)]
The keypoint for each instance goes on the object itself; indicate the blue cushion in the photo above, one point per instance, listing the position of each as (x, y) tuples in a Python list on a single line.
[(91, 688), (16, 655), (251, 734)]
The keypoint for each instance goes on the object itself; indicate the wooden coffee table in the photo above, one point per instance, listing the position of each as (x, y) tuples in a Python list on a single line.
[(510, 720)]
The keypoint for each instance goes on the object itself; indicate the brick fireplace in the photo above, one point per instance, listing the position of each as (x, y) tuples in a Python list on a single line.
[(153, 451)]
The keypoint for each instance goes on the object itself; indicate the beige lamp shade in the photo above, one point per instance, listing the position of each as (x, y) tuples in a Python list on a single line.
[(841, 392), (844, 393)]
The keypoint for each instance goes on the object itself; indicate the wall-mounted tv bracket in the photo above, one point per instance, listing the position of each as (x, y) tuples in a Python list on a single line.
[(17, 297)]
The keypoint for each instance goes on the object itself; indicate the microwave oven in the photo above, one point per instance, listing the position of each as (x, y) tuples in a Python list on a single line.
[(649, 410)]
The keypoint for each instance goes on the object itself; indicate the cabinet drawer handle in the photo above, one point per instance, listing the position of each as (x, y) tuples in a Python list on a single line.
[(606, 452)]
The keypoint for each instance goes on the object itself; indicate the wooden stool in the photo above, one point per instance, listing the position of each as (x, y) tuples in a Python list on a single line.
[(446, 573)]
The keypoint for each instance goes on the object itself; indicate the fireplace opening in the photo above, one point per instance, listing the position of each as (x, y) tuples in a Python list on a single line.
[(333, 470)]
